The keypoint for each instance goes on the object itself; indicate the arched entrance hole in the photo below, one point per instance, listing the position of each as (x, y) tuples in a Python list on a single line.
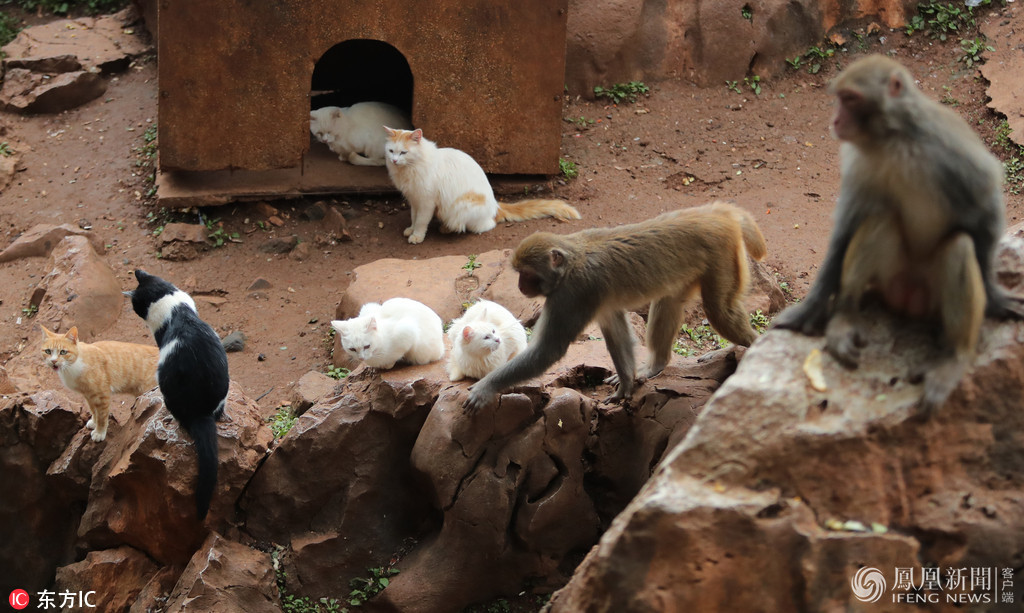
[(359, 70)]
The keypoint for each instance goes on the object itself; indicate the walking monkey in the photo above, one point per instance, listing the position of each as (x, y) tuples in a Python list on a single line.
[(919, 214), (602, 272)]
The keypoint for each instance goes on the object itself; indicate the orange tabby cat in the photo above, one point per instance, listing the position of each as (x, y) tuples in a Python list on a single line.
[(96, 370)]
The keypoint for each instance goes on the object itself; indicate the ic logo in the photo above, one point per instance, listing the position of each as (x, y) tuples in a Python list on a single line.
[(868, 584), (18, 599)]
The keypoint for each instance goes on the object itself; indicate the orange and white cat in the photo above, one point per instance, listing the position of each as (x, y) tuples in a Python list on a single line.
[(450, 184), (96, 370)]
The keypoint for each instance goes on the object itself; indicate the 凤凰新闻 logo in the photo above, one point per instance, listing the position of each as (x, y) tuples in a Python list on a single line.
[(868, 584)]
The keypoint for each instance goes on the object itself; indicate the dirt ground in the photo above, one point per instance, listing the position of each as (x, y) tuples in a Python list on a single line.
[(679, 146)]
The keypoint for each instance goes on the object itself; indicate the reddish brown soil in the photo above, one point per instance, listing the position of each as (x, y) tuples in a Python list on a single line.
[(679, 146)]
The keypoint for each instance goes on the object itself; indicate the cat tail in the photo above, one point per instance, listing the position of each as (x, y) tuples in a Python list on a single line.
[(204, 433), (535, 209)]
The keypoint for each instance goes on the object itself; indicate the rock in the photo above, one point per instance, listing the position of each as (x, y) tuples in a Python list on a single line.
[(117, 576), (38, 517), (341, 521), (315, 211), (29, 92), (234, 341), (430, 281), (226, 576), (183, 241), (301, 252), (616, 41), (101, 43), (279, 245), (38, 241), (1002, 65), (334, 225), (258, 284), (800, 464), (7, 388), (311, 388), (9, 165), (142, 491), (81, 290), (51, 64)]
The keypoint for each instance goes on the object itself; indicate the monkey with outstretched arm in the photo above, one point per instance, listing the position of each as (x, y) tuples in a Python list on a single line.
[(919, 214), (602, 272)]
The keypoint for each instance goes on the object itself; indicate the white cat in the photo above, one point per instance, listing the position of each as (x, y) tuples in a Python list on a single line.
[(484, 338), (449, 183), (399, 329), (353, 132)]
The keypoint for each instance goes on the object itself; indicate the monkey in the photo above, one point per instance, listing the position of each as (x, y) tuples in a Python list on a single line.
[(599, 273), (917, 221)]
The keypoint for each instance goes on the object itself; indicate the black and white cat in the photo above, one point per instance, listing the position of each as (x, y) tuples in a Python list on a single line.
[(192, 371)]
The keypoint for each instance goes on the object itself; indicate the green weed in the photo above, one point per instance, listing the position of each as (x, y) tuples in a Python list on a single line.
[(620, 92), (568, 168), (337, 372), (471, 263), (365, 588), (973, 50), (754, 83), (282, 421), (5, 149)]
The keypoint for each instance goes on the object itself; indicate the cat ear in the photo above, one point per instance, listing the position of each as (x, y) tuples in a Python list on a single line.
[(372, 324), (335, 113), (467, 333), (72, 334), (391, 133), (417, 134)]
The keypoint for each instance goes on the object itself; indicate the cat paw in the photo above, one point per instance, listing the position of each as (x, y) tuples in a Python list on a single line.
[(98, 436), (90, 424), (407, 231), (416, 239)]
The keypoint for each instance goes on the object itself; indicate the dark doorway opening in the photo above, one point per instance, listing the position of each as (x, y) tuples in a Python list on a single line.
[(360, 70)]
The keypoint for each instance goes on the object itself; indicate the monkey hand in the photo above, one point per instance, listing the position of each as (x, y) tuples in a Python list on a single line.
[(805, 317), (480, 396), (843, 341)]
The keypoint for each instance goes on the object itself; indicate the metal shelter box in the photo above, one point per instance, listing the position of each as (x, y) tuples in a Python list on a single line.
[(237, 79)]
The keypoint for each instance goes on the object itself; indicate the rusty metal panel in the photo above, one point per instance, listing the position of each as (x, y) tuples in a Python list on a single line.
[(235, 76)]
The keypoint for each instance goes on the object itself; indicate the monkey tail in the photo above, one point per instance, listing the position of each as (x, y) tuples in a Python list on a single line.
[(535, 209), (204, 433), (752, 236)]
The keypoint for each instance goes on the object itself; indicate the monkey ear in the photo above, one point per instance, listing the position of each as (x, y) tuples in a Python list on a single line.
[(895, 86), (557, 258)]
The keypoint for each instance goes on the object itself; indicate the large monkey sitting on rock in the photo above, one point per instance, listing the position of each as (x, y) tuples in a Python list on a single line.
[(602, 272), (919, 214)]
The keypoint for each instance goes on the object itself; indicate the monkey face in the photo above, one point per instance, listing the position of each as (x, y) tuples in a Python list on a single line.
[(529, 283)]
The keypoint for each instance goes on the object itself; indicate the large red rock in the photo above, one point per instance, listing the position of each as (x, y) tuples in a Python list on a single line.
[(764, 504), (80, 290), (338, 488), (142, 488), (37, 516), (115, 575), (706, 41), (40, 240), (226, 576)]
